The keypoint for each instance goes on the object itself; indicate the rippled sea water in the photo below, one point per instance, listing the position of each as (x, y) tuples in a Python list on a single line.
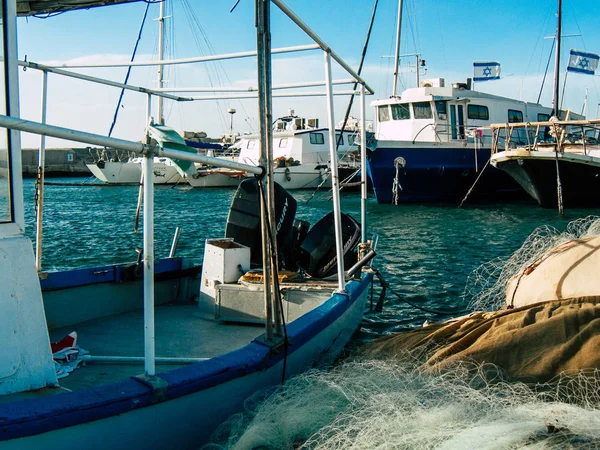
[(425, 252)]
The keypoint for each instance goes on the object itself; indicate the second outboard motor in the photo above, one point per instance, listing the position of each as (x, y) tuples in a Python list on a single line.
[(243, 221), (317, 253)]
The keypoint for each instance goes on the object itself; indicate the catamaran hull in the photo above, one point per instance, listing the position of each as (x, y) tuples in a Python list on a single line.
[(188, 404), (130, 173), (536, 173), (435, 173)]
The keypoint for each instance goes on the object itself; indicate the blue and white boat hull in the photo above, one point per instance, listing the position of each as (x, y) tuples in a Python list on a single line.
[(434, 173)]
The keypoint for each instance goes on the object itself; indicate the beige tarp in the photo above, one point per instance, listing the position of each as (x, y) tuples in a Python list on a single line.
[(534, 342)]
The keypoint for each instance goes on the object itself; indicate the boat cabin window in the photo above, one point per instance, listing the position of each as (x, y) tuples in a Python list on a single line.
[(251, 144), (283, 143), (441, 106), (422, 110), (515, 116), (384, 113), (5, 189), (317, 138), (543, 117), (478, 112), (338, 139), (401, 111)]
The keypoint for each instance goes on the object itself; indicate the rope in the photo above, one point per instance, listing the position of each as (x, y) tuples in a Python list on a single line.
[(112, 126), (472, 187), (386, 286)]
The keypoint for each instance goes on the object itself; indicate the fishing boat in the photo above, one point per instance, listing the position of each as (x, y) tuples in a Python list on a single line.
[(559, 164), (301, 155), (170, 348), (556, 172), (430, 145)]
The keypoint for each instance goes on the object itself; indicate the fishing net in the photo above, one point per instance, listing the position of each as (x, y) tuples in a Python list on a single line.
[(435, 387), (486, 286), (376, 404)]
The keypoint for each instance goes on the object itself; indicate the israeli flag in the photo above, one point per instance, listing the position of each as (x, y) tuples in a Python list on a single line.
[(583, 62), (486, 70)]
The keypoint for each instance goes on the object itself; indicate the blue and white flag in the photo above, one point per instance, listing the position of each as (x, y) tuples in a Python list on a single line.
[(486, 70), (583, 62)]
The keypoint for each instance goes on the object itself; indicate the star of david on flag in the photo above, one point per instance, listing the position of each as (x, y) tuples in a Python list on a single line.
[(583, 62), (486, 70)]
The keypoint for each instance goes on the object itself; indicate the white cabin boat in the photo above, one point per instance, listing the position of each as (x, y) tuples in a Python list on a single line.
[(301, 153), (431, 142)]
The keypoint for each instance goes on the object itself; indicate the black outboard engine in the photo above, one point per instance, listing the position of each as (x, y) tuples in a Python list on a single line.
[(243, 222), (317, 253)]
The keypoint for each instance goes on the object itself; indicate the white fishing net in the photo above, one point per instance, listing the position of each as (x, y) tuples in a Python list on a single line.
[(391, 405), (486, 286), (365, 403)]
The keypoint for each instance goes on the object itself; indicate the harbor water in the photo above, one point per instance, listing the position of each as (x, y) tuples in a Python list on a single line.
[(426, 254)]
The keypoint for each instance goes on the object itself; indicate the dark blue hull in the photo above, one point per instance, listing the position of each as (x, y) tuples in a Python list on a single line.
[(437, 174)]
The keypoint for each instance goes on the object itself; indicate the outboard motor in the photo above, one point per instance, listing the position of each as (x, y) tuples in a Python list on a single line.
[(317, 253), (243, 221)]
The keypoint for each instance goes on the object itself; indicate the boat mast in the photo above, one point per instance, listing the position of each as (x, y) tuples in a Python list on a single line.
[(161, 52), (555, 105), (397, 53)]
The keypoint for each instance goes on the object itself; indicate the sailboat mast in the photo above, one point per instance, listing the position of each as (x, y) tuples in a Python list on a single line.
[(397, 54), (555, 105), (161, 54)]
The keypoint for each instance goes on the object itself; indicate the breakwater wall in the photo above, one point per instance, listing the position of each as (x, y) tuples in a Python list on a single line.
[(60, 162)]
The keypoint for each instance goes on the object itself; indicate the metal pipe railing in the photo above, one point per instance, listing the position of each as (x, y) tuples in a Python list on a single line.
[(199, 59), (121, 144)]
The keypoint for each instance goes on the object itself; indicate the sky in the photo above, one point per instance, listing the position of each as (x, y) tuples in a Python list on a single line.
[(448, 35)]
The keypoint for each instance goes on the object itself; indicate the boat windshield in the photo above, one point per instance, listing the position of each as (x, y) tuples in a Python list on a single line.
[(5, 201)]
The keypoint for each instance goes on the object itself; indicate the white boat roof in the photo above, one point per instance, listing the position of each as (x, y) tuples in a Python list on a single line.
[(34, 7), (423, 94)]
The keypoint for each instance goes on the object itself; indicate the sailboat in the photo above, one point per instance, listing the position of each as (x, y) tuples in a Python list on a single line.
[(114, 170), (431, 143), (166, 368), (559, 165)]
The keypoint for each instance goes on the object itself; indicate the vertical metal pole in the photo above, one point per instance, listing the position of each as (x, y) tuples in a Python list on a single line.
[(334, 176), (41, 165), (161, 54), (417, 56), (262, 33), (555, 105), (397, 54), (148, 191), (363, 166)]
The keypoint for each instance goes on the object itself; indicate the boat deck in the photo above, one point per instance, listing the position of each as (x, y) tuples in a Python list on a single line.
[(181, 331)]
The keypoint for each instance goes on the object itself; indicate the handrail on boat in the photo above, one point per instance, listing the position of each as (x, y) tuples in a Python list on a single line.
[(534, 134)]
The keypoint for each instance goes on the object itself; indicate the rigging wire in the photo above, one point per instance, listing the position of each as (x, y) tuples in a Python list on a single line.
[(112, 126), (546, 71)]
